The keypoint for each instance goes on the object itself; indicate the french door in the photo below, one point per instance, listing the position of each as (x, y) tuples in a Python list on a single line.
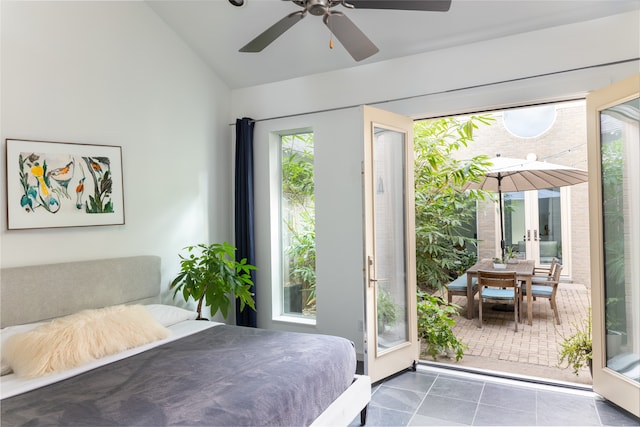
[(613, 120), (537, 224), (390, 277)]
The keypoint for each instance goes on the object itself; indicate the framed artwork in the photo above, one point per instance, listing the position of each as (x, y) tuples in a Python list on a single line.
[(59, 184)]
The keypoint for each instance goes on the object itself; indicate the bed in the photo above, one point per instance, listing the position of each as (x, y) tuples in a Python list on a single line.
[(197, 373)]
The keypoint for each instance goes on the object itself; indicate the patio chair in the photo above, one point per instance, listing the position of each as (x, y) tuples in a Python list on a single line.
[(499, 286), (459, 287), (542, 274), (547, 290)]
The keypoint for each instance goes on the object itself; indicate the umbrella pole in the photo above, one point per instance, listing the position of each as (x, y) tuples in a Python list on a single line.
[(501, 307), (502, 245)]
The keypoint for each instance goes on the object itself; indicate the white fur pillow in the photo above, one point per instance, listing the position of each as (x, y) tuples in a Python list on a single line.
[(80, 338), (8, 332)]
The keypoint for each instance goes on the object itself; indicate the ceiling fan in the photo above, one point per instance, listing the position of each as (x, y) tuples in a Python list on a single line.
[(353, 40)]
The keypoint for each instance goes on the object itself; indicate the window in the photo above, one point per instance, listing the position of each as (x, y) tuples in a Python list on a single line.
[(529, 122), (298, 231)]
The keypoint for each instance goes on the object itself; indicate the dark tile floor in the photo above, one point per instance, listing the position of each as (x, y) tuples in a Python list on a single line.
[(436, 397)]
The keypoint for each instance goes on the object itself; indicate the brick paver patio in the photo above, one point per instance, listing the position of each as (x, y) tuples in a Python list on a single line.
[(533, 350)]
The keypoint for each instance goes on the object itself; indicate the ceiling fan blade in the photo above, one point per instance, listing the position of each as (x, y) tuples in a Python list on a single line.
[(357, 44), (273, 32), (421, 5)]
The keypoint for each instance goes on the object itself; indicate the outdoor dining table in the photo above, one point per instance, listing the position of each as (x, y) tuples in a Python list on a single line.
[(524, 271)]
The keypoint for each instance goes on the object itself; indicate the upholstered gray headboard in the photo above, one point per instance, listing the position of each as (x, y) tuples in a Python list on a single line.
[(40, 292)]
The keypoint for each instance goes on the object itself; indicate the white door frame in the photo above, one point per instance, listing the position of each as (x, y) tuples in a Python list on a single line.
[(621, 390), (381, 363)]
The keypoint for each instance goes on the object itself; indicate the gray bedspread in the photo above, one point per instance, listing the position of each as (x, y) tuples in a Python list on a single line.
[(222, 376)]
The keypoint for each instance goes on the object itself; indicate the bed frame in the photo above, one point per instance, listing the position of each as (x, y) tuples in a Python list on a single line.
[(54, 290)]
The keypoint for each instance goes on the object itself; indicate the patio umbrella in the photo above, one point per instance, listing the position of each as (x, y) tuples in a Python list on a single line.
[(509, 175)]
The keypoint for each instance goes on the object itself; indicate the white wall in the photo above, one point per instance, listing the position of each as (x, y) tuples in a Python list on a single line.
[(113, 73), (338, 151)]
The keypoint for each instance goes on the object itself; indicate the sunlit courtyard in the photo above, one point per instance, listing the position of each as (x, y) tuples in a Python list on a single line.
[(533, 350)]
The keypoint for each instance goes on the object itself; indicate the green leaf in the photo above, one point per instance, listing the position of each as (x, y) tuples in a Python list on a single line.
[(442, 209), (435, 323), (211, 272)]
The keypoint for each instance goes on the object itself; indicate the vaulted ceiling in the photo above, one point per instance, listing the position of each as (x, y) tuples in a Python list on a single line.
[(216, 30)]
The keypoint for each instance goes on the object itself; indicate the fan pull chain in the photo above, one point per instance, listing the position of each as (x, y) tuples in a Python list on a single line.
[(330, 31)]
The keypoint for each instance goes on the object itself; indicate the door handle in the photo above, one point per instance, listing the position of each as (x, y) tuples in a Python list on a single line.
[(370, 279), (535, 235), (528, 235)]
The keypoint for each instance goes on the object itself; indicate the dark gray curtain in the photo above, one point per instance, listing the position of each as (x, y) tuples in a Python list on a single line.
[(245, 241)]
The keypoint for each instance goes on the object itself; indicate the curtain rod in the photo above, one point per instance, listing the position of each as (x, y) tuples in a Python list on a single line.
[(460, 89)]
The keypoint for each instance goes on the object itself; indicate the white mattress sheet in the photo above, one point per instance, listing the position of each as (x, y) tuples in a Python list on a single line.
[(11, 385)]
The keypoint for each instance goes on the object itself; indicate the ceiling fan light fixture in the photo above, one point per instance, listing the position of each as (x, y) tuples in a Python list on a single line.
[(237, 3), (317, 7)]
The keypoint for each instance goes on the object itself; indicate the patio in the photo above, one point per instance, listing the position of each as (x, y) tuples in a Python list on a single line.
[(533, 350)]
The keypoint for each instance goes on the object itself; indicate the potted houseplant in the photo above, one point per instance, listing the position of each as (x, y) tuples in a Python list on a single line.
[(213, 276), (510, 255), (576, 350)]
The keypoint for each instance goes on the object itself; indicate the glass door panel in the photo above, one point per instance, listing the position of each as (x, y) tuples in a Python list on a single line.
[(515, 224), (389, 239), (549, 229), (613, 117), (620, 158), (533, 224)]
